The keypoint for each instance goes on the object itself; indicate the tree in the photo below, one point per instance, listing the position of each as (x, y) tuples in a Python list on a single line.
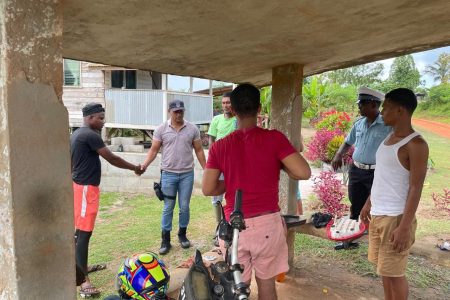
[(362, 75), (266, 100), (403, 73), (440, 69), (342, 98), (314, 94)]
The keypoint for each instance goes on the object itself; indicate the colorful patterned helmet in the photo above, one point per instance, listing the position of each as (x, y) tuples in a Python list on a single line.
[(143, 277)]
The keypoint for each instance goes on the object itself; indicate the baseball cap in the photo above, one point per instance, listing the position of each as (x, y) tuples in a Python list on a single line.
[(176, 105)]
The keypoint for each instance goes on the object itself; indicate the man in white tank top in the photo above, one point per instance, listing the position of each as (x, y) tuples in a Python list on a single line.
[(401, 168)]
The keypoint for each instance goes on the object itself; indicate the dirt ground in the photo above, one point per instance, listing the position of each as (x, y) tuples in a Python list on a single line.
[(435, 127), (321, 279)]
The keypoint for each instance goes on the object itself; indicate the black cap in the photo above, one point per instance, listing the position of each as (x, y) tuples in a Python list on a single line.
[(176, 105), (92, 108)]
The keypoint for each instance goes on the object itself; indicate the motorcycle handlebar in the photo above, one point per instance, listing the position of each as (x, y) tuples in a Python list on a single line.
[(238, 201)]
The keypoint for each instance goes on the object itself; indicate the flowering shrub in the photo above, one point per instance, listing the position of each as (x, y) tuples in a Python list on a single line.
[(317, 147), (332, 127), (334, 145), (442, 201), (333, 119), (329, 191)]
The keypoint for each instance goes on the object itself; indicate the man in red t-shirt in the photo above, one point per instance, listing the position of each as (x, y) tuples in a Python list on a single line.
[(251, 159)]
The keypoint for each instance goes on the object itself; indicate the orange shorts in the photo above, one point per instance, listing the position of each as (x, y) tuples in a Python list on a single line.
[(389, 262), (86, 201), (263, 247)]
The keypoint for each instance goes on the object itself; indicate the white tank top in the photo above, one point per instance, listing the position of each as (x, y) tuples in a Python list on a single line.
[(391, 181)]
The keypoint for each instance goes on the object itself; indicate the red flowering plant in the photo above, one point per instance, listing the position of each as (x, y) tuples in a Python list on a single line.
[(332, 127), (333, 119), (316, 149), (328, 189)]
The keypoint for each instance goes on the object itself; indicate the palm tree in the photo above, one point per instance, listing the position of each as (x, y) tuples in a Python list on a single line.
[(440, 70)]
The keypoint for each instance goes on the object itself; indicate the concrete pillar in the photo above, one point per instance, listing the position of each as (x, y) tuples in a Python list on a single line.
[(286, 117), (36, 206)]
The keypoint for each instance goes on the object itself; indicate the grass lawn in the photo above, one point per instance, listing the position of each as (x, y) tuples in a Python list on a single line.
[(431, 221), (130, 224)]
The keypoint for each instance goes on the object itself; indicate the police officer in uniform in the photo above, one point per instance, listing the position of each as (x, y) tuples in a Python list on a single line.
[(367, 133)]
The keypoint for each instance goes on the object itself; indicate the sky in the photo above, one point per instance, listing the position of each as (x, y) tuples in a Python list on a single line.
[(421, 59)]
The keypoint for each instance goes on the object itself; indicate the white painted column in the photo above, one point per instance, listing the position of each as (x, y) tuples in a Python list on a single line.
[(165, 104)]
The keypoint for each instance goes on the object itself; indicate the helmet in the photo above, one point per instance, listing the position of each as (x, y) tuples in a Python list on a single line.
[(143, 277)]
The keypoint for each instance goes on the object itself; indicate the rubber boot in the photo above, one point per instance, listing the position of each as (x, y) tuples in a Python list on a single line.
[(183, 239), (165, 242)]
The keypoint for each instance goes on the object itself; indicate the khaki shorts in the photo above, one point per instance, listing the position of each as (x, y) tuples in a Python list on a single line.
[(263, 247), (389, 262)]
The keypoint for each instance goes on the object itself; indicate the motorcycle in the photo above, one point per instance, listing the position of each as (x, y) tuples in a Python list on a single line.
[(224, 282)]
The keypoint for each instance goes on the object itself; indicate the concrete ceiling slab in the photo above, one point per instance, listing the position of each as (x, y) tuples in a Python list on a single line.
[(241, 41)]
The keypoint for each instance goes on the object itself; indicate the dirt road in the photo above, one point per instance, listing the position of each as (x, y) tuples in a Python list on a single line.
[(441, 129)]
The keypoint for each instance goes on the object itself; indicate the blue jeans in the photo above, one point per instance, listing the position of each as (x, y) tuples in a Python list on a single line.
[(171, 184)]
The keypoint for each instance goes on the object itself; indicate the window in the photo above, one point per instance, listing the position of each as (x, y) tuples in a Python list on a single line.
[(130, 79), (72, 72), (118, 77)]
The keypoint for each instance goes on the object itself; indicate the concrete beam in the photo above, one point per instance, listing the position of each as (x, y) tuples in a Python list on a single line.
[(36, 206), (286, 117)]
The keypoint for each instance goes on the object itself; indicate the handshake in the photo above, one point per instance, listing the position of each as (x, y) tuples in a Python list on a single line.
[(139, 169)]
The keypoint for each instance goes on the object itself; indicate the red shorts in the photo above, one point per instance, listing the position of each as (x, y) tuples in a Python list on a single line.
[(85, 202), (263, 247)]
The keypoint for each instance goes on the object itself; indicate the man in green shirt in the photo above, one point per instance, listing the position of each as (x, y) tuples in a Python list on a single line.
[(221, 126)]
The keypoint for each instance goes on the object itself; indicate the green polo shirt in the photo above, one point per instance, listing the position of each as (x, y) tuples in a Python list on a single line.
[(221, 127)]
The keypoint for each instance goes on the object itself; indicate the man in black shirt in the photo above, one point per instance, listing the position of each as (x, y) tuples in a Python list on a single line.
[(86, 145)]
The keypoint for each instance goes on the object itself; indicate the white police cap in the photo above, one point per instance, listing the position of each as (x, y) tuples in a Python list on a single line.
[(366, 94)]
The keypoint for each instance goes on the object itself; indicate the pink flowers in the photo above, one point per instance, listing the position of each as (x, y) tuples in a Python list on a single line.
[(331, 130), (329, 191), (317, 147)]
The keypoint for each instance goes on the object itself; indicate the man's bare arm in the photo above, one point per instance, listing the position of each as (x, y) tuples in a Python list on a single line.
[(211, 185), (336, 163), (296, 167), (151, 155), (198, 148), (212, 140), (418, 157), (118, 161)]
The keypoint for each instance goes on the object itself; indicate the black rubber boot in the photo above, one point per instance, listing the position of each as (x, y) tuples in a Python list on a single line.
[(183, 239), (165, 242)]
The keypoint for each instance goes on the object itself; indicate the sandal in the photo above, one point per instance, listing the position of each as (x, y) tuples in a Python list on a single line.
[(89, 291), (95, 268)]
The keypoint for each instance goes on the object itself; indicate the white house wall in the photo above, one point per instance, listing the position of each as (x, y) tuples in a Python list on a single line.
[(91, 90)]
